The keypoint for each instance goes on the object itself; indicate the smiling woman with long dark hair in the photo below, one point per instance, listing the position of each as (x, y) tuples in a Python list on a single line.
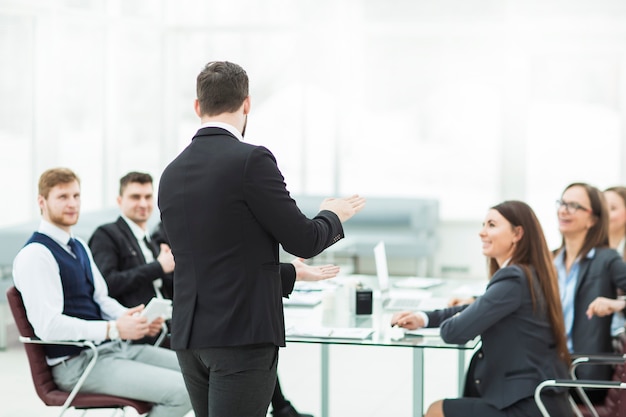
[(518, 318)]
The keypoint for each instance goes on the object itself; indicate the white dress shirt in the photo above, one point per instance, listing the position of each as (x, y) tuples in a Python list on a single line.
[(230, 128), (141, 236), (36, 275)]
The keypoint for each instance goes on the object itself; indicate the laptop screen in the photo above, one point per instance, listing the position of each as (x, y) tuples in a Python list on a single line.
[(380, 259)]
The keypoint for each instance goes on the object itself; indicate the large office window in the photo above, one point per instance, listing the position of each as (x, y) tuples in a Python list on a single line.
[(574, 128), (469, 102), (17, 124)]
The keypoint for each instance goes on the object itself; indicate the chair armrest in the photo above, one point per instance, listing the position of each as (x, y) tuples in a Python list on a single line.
[(584, 383), (80, 343), (597, 360), (579, 384), (162, 335), (580, 360)]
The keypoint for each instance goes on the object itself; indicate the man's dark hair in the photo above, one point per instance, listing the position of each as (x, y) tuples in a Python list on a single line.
[(221, 87), (140, 177)]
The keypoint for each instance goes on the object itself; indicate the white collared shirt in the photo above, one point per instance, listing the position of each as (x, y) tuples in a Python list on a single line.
[(36, 275), (140, 234), (230, 128)]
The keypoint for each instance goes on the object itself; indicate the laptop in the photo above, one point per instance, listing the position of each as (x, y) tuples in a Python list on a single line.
[(405, 300)]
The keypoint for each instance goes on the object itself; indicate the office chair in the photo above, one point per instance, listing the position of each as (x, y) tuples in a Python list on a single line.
[(614, 405), (41, 373), (578, 384), (162, 335)]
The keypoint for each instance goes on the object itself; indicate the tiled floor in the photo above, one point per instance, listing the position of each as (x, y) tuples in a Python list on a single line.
[(365, 381)]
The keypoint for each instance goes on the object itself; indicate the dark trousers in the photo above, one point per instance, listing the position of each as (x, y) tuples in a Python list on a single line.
[(278, 398), (230, 381)]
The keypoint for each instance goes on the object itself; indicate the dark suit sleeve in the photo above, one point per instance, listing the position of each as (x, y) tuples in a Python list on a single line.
[(287, 278), (502, 297), (267, 196), (435, 318), (158, 235), (617, 271), (110, 259)]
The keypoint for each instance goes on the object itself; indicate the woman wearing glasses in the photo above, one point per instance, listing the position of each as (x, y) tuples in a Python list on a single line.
[(589, 274), (616, 203)]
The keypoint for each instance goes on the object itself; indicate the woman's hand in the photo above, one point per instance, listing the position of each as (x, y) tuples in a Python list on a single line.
[(407, 320), (457, 301), (603, 306)]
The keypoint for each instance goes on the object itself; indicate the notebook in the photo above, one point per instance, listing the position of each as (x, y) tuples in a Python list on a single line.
[(303, 299), (405, 300), (357, 333)]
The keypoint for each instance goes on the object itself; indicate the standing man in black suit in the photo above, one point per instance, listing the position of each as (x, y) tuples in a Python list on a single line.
[(135, 268), (225, 209)]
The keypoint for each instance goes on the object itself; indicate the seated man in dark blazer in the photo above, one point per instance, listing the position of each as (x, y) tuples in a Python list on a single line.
[(135, 268)]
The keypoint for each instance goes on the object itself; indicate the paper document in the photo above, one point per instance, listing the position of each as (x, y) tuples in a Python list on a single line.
[(418, 282), (433, 303), (329, 332), (158, 307), (470, 290), (424, 331), (303, 299), (314, 286)]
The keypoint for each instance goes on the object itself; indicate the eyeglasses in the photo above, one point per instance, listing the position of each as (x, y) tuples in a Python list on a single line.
[(570, 206)]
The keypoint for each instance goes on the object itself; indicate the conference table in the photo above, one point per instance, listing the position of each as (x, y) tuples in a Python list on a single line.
[(333, 322)]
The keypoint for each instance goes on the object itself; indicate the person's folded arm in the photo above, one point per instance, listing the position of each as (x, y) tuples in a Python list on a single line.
[(106, 256)]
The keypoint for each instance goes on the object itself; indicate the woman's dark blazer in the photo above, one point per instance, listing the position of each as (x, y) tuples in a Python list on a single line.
[(518, 347), (601, 273)]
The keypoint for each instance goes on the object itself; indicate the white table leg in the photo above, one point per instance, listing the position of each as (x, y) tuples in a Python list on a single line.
[(418, 382), (461, 371), (325, 378)]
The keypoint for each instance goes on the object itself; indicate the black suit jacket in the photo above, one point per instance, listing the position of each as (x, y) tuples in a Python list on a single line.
[(518, 347), (122, 264), (599, 276), (225, 209)]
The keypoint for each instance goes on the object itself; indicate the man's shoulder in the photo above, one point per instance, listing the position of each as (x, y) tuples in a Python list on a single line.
[(32, 249), (508, 274), (113, 229)]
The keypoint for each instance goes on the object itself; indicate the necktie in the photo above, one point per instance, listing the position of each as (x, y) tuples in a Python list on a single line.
[(157, 283), (150, 247), (81, 257), (77, 250)]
